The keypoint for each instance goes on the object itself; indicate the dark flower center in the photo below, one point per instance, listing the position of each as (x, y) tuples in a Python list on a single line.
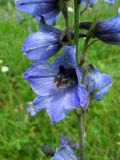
[(65, 78)]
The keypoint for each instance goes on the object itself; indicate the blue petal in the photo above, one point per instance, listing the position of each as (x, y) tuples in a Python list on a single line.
[(111, 25), (57, 105), (41, 76), (113, 38), (53, 20), (26, 5), (64, 152), (68, 60), (97, 83), (82, 95), (47, 28), (110, 1), (43, 44), (104, 83), (64, 101), (49, 11), (29, 5), (109, 30), (56, 108), (38, 104), (46, 8)]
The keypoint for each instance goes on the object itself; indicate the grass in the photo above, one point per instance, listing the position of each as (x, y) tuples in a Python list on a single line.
[(22, 136)]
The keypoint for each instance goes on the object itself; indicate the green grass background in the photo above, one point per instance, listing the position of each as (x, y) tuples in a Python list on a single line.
[(22, 136)]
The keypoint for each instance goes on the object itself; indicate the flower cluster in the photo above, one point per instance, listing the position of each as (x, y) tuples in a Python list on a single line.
[(59, 86), (62, 85), (65, 84), (64, 151)]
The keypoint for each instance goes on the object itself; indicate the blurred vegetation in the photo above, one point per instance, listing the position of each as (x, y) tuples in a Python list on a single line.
[(22, 136), (6, 2)]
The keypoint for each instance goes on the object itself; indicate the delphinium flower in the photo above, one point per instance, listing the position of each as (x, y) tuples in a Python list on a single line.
[(96, 83), (88, 2), (65, 84), (107, 31), (42, 44), (58, 85), (49, 9), (64, 152), (92, 2), (110, 1)]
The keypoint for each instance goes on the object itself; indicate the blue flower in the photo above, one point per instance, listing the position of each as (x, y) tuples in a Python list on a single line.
[(49, 9), (110, 1), (107, 31), (58, 85), (64, 151), (96, 83), (42, 44), (92, 2)]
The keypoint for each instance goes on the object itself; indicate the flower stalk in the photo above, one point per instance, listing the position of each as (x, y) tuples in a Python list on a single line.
[(84, 52), (81, 134), (90, 34), (68, 28), (64, 9), (65, 84), (81, 126), (76, 26)]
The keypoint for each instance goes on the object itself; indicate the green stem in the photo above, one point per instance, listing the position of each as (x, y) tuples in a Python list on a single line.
[(64, 8), (87, 44), (68, 29), (76, 27), (84, 53), (81, 133)]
